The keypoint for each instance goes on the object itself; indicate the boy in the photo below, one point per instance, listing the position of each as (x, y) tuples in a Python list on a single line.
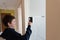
[(10, 34)]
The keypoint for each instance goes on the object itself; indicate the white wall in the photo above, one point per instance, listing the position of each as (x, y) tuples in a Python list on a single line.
[(27, 11), (37, 10)]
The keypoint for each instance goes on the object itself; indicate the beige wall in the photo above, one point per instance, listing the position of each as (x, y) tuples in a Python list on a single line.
[(53, 19), (1, 38)]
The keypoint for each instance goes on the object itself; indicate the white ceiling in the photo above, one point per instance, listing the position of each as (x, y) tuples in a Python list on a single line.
[(9, 4)]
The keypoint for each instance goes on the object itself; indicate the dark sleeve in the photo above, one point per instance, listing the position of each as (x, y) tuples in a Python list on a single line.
[(13, 34), (3, 35), (27, 34)]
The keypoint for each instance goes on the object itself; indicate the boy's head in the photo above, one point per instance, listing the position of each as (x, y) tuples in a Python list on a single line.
[(9, 21)]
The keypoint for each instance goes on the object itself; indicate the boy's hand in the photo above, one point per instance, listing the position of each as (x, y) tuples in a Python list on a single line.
[(29, 23)]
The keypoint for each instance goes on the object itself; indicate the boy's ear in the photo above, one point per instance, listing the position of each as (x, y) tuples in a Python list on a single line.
[(8, 23)]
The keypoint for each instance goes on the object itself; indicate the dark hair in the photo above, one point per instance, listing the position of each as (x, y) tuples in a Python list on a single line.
[(7, 19)]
